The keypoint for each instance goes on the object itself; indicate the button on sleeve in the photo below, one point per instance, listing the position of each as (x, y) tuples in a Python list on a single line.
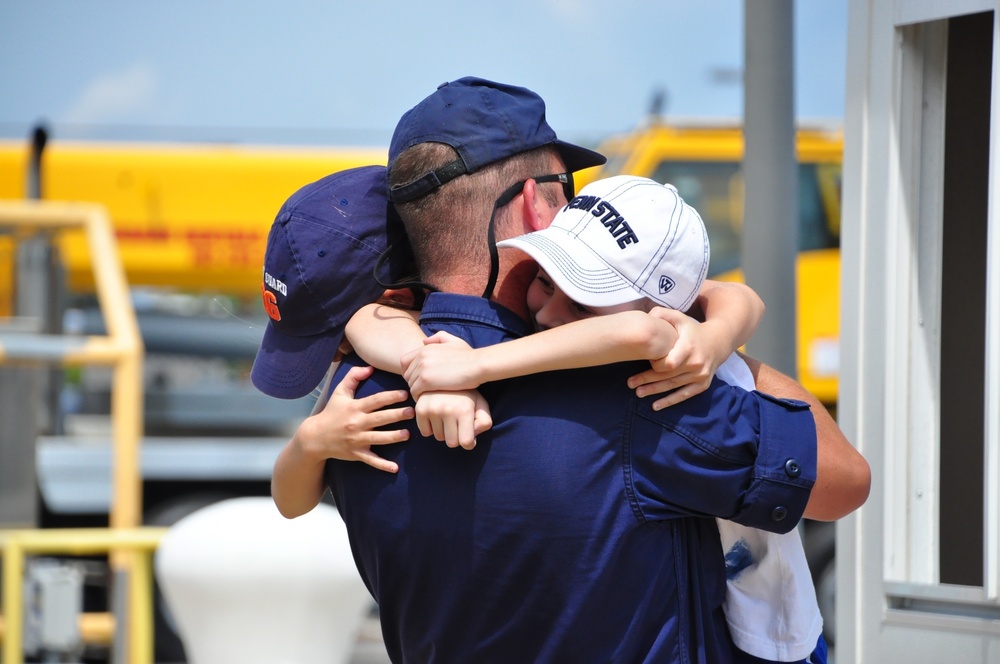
[(785, 469), (793, 468)]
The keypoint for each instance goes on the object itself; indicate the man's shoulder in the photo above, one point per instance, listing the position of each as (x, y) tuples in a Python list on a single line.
[(480, 322), (721, 402)]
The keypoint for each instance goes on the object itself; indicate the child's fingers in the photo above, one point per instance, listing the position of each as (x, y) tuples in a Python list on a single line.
[(672, 316), (483, 420), (452, 437), (677, 396), (663, 385), (429, 423), (386, 437), (466, 431), (375, 402), (438, 429), (679, 356), (647, 377), (458, 430), (352, 379), (424, 425), (441, 337), (436, 338), (381, 418), (405, 360), (681, 387), (377, 462)]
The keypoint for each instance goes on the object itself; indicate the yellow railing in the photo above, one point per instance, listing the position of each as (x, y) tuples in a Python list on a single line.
[(135, 544), (128, 546)]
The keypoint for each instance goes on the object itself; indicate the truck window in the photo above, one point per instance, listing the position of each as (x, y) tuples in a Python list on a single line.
[(715, 189)]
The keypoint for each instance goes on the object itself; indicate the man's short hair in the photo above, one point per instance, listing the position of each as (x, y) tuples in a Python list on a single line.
[(449, 225)]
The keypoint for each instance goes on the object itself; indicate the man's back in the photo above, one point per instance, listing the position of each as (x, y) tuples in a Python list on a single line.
[(563, 537)]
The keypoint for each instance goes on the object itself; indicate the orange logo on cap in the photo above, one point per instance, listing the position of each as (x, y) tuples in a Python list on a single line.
[(270, 303)]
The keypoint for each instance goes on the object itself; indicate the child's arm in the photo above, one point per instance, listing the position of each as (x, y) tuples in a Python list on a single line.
[(343, 429), (381, 334), (733, 312), (730, 312), (444, 364)]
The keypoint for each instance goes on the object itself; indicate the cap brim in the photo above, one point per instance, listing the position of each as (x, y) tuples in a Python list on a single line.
[(289, 367), (578, 158), (582, 276)]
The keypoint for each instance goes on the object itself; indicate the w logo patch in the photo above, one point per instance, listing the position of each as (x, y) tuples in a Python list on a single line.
[(666, 284)]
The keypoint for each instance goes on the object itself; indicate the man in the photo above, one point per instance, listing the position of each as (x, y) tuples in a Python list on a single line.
[(576, 530)]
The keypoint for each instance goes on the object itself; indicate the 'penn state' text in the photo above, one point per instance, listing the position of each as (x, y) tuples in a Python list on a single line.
[(614, 222)]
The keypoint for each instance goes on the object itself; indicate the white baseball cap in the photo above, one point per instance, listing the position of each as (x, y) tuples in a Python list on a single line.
[(621, 239)]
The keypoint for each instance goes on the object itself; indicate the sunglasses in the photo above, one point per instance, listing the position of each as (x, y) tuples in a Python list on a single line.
[(566, 179)]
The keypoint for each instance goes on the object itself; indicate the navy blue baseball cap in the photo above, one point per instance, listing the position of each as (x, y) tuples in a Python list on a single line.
[(485, 122), (323, 250)]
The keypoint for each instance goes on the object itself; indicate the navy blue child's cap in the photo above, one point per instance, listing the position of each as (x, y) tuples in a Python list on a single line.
[(485, 122), (319, 269)]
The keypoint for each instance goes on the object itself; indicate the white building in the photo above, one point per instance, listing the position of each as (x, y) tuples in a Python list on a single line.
[(919, 565)]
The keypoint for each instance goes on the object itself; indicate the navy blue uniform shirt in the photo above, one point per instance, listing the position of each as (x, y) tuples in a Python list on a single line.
[(578, 530)]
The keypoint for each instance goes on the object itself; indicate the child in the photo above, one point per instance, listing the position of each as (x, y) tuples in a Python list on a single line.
[(623, 248)]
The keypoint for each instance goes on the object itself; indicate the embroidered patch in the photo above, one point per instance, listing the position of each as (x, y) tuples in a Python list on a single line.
[(270, 303)]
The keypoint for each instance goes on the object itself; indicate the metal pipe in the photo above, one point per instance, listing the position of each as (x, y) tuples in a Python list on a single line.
[(770, 224), (124, 341), (138, 543)]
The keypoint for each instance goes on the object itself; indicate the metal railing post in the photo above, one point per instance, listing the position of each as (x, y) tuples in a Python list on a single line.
[(122, 349)]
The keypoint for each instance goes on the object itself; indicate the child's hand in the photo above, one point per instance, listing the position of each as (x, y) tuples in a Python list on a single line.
[(688, 367), (453, 417), (345, 428), (444, 362)]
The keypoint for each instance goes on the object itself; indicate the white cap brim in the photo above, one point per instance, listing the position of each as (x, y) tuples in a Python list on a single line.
[(580, 274)]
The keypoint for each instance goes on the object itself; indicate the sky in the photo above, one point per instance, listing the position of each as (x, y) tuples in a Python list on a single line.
[(341, 73)]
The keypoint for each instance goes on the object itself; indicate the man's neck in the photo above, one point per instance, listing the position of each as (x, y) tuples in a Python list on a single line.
[(511, 289)]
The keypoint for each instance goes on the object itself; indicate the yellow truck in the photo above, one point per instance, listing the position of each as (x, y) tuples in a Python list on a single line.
[(189, 217), (704, 163)]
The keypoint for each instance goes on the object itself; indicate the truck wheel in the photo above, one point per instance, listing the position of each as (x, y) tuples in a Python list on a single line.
[(167, 644)]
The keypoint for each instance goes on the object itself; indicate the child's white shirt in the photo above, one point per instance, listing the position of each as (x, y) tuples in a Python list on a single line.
[(770, 603)]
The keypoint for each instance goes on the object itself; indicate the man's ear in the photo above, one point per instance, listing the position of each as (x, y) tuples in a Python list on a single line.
[(531, 213)]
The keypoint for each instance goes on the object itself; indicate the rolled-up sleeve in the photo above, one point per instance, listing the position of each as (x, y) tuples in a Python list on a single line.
[(743, 456), (785, 469)]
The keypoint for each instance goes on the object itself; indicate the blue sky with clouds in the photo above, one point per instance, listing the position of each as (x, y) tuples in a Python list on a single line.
[(334, 72)]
